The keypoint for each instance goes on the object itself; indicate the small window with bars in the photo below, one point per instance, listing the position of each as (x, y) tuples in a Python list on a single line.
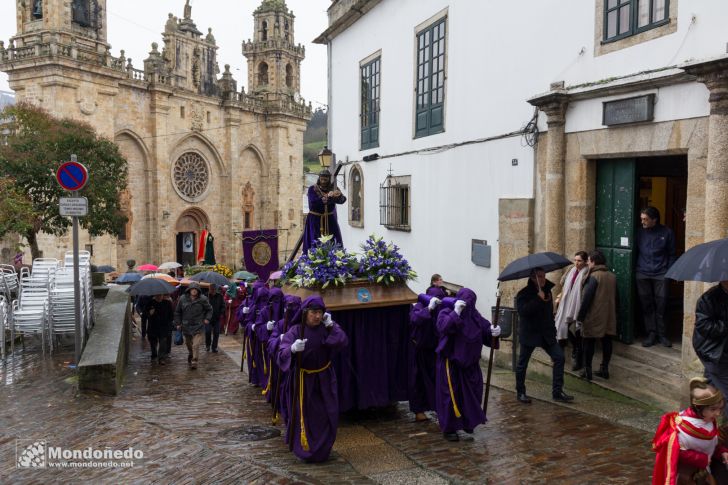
[(394, 203)]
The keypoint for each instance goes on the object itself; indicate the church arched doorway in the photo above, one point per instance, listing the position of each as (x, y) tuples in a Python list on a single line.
[(188, 228)]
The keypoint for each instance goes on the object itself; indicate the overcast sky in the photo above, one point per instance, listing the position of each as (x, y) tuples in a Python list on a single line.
[(135, 24)]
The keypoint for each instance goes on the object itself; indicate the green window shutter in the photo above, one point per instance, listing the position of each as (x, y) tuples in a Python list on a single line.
[(370, 89), (430, 89)]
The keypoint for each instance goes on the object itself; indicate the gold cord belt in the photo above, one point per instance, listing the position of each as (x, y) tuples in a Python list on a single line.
[(301, 374), (324, 218)]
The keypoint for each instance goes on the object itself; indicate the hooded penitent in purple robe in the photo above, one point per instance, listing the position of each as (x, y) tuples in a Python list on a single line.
[(273, 310), (423, 340), (312, 387), (278, 396), (256, 372), (459, 380), (321, 218)]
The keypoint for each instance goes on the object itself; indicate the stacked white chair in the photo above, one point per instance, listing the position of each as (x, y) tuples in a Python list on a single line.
[(8, 281), (30, 311), (87, 293), (4, 324), (61, 310)]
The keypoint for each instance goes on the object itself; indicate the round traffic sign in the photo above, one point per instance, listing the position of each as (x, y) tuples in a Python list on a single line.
[(72, 176)]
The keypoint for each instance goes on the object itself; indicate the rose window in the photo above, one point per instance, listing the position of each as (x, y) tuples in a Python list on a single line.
[(191, 175)]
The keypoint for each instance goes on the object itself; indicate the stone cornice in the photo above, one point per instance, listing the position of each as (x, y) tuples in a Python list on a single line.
[(355, 12), (714, 74)]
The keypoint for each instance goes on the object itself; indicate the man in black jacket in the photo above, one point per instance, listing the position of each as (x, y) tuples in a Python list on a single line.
[(655, 255), (710, 334), (537, 329), (212, 331)]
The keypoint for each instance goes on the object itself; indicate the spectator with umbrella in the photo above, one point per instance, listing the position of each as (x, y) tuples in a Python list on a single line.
[(193, 312), (212, 331), (708, 262), (537, 328)]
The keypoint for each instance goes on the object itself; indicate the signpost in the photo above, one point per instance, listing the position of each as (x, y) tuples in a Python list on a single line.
[(73, 177)]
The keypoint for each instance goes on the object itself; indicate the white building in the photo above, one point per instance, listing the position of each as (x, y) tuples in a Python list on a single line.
[(463, 157)]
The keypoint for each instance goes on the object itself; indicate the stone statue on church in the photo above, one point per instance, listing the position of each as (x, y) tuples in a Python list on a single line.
[(188, 10), (80, 12), (171, 24), (37, 9), (210, 38)]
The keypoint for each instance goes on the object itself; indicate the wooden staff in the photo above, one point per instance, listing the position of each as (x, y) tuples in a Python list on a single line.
[(493, 343), (245, 338)]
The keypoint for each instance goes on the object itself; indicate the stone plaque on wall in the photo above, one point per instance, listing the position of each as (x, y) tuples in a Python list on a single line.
[(628, 110)]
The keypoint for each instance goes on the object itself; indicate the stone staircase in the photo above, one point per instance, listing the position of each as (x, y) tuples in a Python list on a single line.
[(650, 375)]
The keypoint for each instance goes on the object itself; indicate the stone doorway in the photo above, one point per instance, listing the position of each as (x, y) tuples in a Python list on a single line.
[(188, 228), (623, 188)]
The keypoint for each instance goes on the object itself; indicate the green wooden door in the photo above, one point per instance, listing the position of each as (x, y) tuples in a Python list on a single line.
[(615, 227)]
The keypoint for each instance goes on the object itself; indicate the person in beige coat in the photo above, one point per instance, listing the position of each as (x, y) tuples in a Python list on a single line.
[(598, 313), (568, 303)]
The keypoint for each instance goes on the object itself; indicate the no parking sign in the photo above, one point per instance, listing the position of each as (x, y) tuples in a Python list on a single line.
[(72, 176)]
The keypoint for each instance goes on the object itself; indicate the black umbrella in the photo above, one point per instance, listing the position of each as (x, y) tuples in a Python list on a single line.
[(706, 262), (211, 277), (129, 278), (151, 287), (105, 269), (522, 267)]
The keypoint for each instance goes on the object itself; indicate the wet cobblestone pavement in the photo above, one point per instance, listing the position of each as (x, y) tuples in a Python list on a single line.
[(192, 425)]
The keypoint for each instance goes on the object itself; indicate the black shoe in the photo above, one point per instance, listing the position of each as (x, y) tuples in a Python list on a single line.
[(207, 349), (154, 357), (214, 351), (523, 398), (665, 342), (650, 340), (586, 374), (562, 397), (451, 436), (189, 358), (603, 372)]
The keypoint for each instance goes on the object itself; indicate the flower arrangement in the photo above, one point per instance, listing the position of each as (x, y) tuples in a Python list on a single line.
[(325, 263), (382, 262), (223, 270), (193, 270)]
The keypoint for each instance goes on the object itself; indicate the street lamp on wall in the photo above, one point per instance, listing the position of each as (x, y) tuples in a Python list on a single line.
[(325, 156)]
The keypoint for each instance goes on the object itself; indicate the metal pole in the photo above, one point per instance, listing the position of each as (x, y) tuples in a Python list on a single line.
[(76, 283)]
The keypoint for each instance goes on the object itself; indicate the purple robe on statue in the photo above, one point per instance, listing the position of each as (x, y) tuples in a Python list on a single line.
[(255, 362), (459, 380), (273, 310), (279, 397), (315, 418), (321, 218), (423, 340)]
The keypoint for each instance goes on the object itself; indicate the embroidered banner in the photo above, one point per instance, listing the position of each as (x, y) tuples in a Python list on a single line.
[(260, 251)]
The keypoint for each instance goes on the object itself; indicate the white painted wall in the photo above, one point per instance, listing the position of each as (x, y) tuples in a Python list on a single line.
[(499, 54)]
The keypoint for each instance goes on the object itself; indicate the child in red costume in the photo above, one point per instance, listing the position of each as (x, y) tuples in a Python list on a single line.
[(686, 442)]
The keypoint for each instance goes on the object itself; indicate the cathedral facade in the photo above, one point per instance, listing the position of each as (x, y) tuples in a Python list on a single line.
[(202, 154)]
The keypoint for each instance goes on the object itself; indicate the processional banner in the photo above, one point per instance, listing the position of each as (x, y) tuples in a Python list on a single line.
[(260, 252)]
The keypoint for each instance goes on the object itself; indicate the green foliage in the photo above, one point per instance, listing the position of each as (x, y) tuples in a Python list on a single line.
[(36, 147), (16, 210)]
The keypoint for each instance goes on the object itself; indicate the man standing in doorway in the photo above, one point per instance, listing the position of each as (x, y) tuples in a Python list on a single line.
[(655, 254)]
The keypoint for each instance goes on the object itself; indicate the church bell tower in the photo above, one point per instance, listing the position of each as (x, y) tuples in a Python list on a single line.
[(62, 22), (274, 60)]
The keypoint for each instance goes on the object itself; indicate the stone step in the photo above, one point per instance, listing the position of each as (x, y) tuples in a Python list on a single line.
[(630, 378), (665, 358), (641, 381)]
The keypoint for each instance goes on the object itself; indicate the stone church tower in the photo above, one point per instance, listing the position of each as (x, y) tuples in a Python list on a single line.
[(274, 61), (201, 153)]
